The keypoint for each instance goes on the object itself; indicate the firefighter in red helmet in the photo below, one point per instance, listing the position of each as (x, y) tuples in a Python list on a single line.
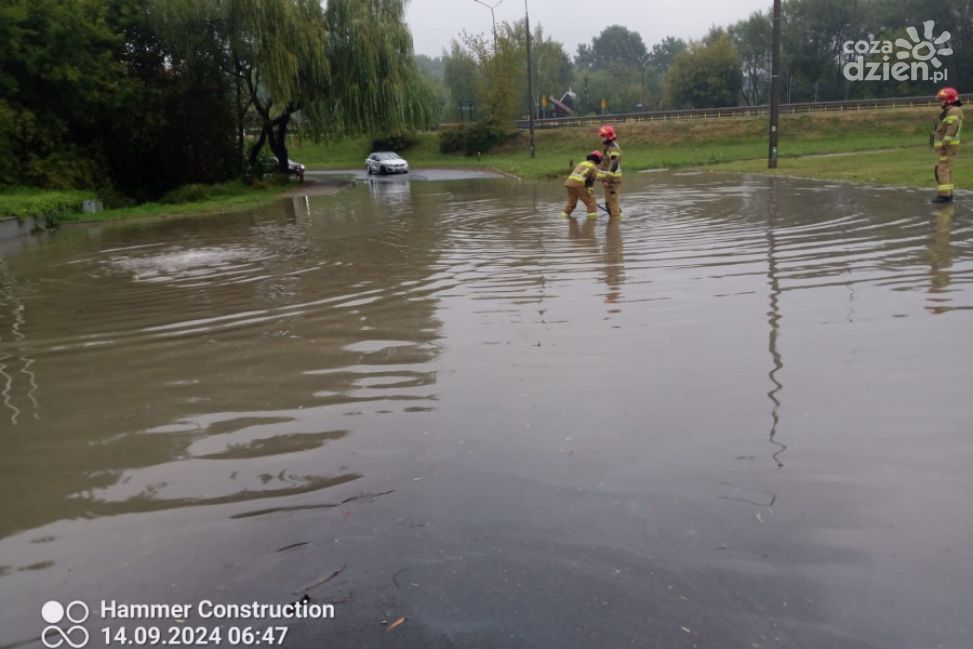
[(611, 170), (947, 142)]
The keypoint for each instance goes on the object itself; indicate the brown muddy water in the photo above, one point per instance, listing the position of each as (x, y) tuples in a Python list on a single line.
[(740, 418)]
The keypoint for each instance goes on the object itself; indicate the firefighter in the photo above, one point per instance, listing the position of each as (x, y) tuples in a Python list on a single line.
[(947, 142), (611, 170), (579, 185)]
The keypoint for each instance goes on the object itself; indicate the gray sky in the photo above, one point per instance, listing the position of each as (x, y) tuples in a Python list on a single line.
[(435, 22)]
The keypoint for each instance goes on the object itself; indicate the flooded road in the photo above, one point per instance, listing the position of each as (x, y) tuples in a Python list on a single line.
[(736, 419)]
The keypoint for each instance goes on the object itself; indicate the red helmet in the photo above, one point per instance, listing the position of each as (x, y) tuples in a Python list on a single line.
[(608, 133), (596, 155), (948, 95)]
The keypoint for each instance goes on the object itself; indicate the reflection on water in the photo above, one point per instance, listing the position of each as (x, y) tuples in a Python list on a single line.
[(579, 408), (609, 256), (211, 362), (16, 362), (773, 319), (940, 258), (614, 261)]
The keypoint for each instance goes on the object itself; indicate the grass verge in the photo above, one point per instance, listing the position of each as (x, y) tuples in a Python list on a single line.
[(905, 167), (659, 144), (25, 202), (65, 207), (194, 199)]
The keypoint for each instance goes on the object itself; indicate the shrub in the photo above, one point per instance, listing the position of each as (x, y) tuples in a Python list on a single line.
[(187, 194), (395, 141), (471, 139)]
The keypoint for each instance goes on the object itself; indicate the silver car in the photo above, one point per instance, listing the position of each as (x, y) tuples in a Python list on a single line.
[(386, 162)]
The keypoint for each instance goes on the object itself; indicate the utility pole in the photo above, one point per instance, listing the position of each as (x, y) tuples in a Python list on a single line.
[(494, 18), (774, 88), (530, 83)]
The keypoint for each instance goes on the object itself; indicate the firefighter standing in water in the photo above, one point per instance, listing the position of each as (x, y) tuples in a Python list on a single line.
[(947, 142), (579, 185), (611, 170)]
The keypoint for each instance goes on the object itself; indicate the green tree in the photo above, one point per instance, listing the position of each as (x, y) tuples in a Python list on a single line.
[(433, 67), (706, 75), (812, 35), (496, 79), (664, 53), (58, 79), (460, 73), (616, 46), (752, 38), (552, 68), (346, 69)]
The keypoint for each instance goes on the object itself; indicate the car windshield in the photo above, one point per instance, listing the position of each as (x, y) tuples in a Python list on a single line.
[(386, 156)]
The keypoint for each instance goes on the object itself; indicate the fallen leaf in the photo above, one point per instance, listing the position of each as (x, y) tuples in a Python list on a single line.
[(398, 622)]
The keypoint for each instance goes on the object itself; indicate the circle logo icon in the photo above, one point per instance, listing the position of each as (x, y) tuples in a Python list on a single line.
[(75, 636)]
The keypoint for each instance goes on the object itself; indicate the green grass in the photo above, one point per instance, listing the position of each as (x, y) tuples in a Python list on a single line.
[(65, 207), (660, 144), (907, 167), (26, 202), (221, 201)]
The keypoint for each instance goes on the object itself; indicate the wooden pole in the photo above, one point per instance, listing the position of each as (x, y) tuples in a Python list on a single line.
[(774, 88)]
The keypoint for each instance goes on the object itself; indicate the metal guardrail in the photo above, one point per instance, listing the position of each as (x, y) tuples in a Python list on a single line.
[(736, 111)]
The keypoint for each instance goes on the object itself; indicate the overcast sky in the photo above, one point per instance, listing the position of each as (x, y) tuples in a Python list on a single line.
[(435, 22)]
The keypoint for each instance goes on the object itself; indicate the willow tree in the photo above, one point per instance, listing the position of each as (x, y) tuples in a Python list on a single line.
[(375, 84), (346, 69)]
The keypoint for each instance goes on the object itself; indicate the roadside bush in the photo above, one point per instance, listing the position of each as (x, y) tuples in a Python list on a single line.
[(63, 170), (197, 192), (471, 139), (395, 141), (187, 194)]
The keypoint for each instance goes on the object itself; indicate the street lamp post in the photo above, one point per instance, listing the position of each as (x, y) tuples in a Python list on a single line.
[(530, 83), (643, 62), (493, 18)]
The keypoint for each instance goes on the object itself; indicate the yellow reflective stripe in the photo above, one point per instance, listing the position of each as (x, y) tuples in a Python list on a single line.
[(576, 177), (944, 188), (951, 119)]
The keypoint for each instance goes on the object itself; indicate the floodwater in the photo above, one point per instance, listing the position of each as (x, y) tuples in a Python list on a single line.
[(739, 418)]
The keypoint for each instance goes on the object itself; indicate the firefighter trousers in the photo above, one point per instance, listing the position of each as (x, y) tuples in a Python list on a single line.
[(612, 190), (584, 195), (946, 160)]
